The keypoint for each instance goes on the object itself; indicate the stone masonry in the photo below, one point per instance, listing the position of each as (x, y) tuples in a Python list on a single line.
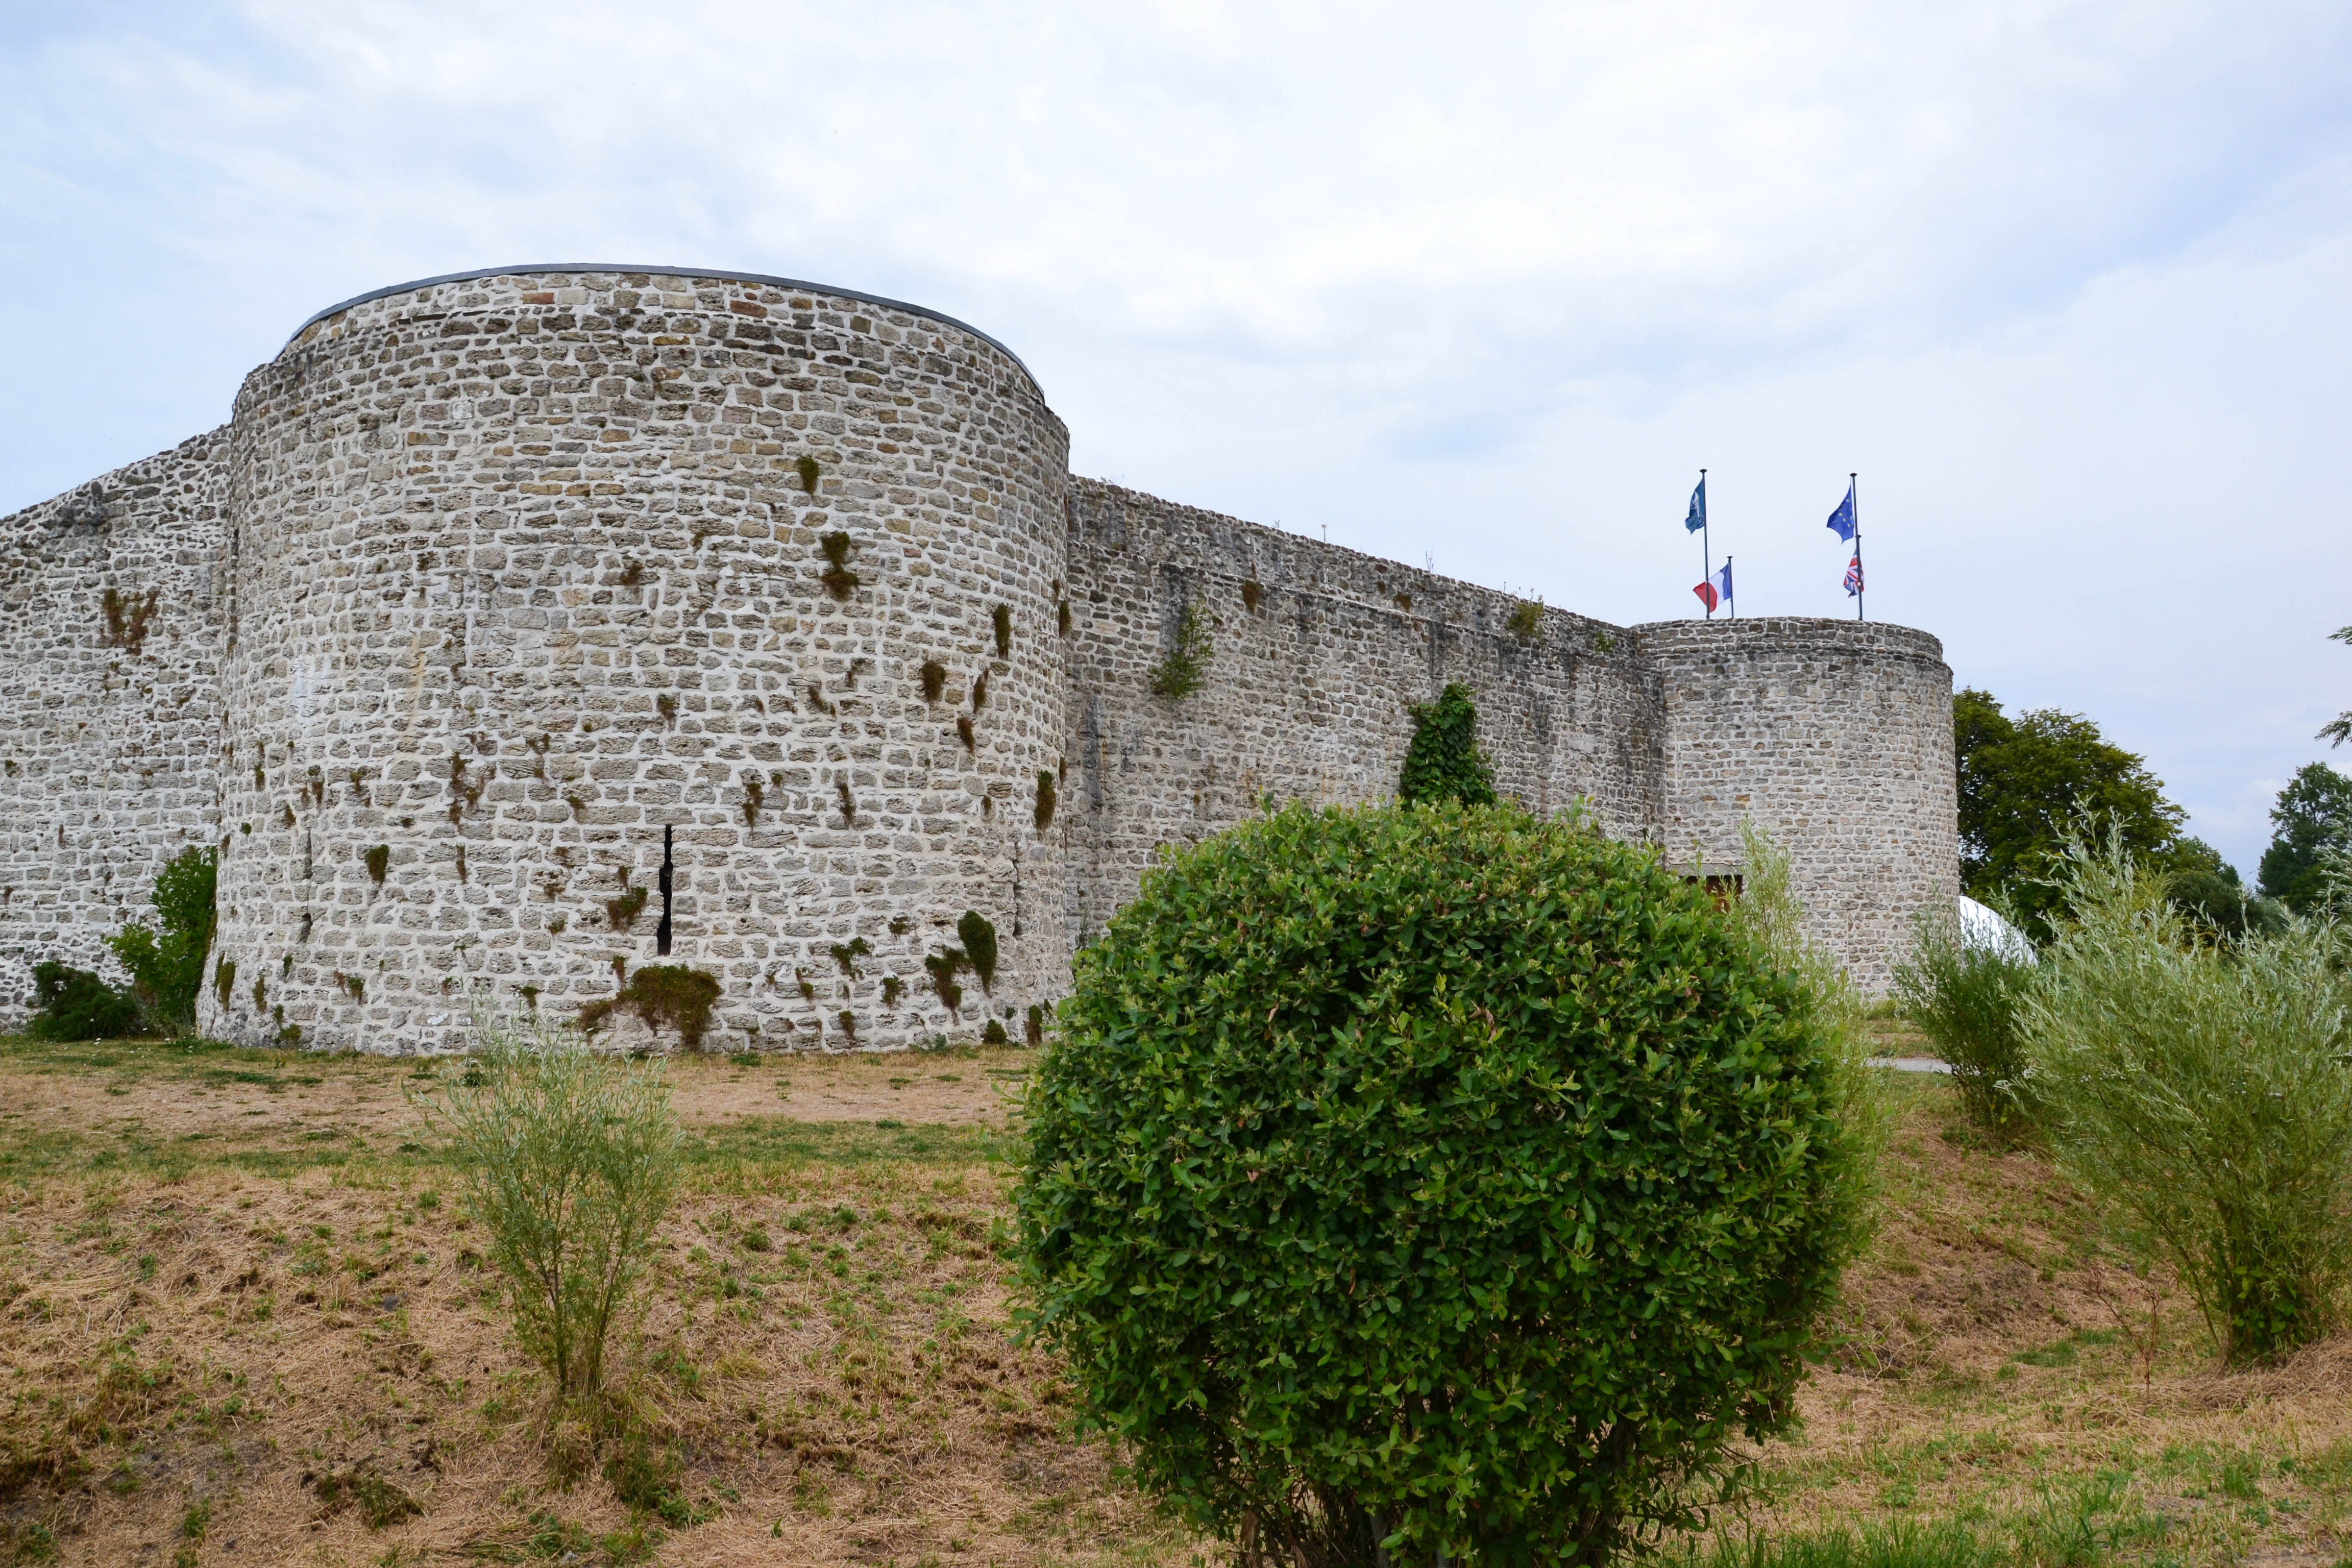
[(491, 581)]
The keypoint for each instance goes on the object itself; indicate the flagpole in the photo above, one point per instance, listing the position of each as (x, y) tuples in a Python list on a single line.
[(1726, 577), (1706, 551), (1853, 489)]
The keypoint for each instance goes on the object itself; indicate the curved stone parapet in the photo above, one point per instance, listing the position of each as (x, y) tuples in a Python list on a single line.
[(1835, 737), (525, 568)]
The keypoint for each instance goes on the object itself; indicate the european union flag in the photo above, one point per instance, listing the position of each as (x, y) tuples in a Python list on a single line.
[(1842, 521), (1698, 518)]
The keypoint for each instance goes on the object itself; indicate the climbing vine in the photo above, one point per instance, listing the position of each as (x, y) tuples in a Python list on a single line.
[(1443, 763)]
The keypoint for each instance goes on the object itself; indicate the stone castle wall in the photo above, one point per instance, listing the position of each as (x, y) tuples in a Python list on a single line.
[(1318, 655), (492, 579), (109, 703)]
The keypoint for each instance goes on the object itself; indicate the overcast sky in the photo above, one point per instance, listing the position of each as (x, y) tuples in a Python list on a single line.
[(1483, 285)]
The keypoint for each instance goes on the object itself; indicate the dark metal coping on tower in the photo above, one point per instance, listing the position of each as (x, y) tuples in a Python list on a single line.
[(794, 283)]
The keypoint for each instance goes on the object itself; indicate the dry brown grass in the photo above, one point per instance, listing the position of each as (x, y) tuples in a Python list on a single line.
[(203, 1308), (2003, 1352), (824, 1371)]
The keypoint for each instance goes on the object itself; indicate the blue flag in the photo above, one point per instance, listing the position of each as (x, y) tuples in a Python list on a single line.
[(1842, 521), (1698, 518)]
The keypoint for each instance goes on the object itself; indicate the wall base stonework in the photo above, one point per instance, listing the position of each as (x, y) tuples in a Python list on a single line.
[(491, 580)]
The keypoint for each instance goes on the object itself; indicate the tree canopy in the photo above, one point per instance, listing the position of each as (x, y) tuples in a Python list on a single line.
[(2340, 731), (2027, 784), (2311, 819)]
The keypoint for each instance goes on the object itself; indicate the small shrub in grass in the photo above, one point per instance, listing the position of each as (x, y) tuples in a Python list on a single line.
[(570, 1159), (1437, 1181), (76, 1005), (167, 965), (2207, 1093), (1966, 998)]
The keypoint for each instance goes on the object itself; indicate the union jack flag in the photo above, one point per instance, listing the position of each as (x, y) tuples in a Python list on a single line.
[(1854, 577)]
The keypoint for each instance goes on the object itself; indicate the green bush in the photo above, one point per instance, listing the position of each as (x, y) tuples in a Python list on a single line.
[(1437, 1180), (1444, 762), (570, 1159), (1965, 1000), (75, 1005), (2207, 1093), (167, 968)]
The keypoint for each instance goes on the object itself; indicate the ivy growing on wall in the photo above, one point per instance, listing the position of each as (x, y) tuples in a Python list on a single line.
[(1443, 763), (979, 938)]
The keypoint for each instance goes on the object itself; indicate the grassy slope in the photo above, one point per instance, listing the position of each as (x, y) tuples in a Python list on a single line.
[(239, 1322)]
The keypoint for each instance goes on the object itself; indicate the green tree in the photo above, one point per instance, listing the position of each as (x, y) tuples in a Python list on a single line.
[(1441, 1183), (167, 967), (2214, 899), (2028, 784), (1443, 763), (2311, 821), (2340, 731)]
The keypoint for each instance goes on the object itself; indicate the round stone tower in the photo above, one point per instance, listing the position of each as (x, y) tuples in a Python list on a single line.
[(1835, 737), (532, 573)]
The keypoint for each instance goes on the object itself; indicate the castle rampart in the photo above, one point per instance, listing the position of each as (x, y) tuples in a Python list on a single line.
[(493, 579), (110, 701)]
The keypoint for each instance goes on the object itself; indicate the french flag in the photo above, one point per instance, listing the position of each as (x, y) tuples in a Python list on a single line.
[(1715, 592)]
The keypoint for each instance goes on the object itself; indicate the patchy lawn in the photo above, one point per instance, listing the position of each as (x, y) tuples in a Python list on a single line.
[(240, 1321)]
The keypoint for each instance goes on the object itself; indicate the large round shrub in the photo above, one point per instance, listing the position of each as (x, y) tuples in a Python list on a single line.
[(1434, 1174)]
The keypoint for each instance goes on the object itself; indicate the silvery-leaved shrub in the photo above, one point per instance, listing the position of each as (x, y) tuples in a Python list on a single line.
[(1438, 1180), (571, 1158), (1968, 998), (2204, 1091)]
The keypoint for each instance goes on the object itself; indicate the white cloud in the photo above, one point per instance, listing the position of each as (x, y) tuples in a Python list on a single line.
[(2061, 279)]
